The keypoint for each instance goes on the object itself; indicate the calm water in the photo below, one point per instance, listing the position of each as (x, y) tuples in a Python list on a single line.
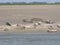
[(30, 39)]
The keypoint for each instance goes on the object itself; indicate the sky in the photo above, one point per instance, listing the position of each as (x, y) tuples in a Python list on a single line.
[(29, 1)]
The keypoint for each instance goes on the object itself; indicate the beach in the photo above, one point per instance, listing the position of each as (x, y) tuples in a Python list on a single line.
[(15, 13)]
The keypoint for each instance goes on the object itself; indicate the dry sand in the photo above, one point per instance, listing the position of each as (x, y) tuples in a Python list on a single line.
[(15, 13)]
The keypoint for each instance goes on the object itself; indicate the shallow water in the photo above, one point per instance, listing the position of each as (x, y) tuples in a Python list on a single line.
[(30, 39)]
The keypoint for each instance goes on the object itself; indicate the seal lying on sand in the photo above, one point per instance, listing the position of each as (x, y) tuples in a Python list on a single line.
[(8, 24), (58, 26)]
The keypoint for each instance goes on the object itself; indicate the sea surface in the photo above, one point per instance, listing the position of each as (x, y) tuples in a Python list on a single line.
[(30, 39)]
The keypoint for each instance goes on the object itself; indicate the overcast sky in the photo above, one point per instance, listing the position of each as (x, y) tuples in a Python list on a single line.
[(29, 0)]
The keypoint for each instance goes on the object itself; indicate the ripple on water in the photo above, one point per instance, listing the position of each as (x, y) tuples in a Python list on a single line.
[(30, 39)]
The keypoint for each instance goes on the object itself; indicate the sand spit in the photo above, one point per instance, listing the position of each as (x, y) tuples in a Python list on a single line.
[(17, 15)]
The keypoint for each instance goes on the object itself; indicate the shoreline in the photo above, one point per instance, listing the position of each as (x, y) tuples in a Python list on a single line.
[(30, 28), (26, 32)]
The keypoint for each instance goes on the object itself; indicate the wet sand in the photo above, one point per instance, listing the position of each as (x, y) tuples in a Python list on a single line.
[(15, 14)]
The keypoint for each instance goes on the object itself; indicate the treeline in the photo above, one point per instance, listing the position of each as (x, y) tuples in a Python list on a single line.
[(31, 3)]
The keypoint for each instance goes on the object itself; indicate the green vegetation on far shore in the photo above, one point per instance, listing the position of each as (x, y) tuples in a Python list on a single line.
[(31, 3)]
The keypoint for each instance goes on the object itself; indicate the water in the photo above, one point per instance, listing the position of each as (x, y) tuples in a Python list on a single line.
[(30, 39)]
